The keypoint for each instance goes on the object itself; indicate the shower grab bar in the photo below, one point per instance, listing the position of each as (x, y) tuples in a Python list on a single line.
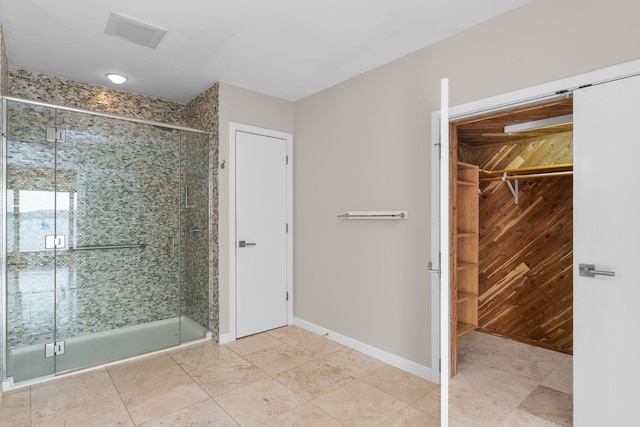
[(96, 247)]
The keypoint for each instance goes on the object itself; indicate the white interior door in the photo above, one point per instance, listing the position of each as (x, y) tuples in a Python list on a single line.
[(606, 232), (261, 239), (442, 233)]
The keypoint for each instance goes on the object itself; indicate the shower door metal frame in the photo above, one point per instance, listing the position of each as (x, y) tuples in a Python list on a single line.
[(3, 248), (3, 243), (94, 113)]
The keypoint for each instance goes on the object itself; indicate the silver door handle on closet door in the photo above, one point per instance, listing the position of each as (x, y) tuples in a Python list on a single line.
[(243, 243), (589, 270)]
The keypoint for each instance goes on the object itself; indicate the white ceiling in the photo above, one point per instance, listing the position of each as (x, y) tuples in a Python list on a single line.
[(285, 48)]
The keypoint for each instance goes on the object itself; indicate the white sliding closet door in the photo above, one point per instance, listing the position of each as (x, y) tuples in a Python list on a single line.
[(606, 233)]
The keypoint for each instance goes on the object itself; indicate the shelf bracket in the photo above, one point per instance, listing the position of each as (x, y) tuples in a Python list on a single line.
[(513, 190)]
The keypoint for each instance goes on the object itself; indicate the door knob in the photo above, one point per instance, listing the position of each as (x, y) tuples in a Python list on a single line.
[(589, 270), (243, 243)]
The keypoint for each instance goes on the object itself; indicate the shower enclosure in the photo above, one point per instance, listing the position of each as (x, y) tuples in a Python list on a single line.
[(105, 238)]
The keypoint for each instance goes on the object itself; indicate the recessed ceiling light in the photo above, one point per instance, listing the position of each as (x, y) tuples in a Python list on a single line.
[(117, 78)]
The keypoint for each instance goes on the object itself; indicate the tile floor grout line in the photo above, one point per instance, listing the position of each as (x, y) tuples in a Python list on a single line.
[(30, 407), (205, 391), (317, 359), (273, 377), (325, 412), (393, 415), (376, 387), (194, 382), (120, 396)]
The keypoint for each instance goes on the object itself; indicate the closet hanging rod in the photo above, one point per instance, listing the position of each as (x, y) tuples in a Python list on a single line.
[(525, 176), (374, 215)]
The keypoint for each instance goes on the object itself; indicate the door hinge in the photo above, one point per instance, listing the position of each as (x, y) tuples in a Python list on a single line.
[(287, 159), (287, 228), (287, 295), (53, 241), (54, 349), (439, 145), (55, 135)]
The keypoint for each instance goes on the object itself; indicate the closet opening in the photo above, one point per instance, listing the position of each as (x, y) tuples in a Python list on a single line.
[(511, 193)]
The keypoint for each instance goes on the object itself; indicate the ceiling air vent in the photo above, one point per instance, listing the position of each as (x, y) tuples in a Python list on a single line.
[(134, 30)]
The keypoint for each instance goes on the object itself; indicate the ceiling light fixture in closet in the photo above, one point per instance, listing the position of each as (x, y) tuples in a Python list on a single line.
[(539, 124)]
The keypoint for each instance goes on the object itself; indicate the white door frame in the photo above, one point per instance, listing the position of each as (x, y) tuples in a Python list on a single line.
[(530, 95), (438, 133), (238, 127)]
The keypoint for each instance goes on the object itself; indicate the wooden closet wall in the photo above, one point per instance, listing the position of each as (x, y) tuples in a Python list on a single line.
[(525, 250)]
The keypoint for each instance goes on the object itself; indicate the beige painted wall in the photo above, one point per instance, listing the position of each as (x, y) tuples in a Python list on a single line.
[(364, 144), (249, 108)]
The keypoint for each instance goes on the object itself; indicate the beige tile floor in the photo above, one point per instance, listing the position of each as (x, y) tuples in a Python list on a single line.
[(505, 383), (284, 377)]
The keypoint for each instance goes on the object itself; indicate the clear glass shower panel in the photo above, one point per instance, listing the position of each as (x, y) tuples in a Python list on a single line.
[(195, 241), (118, 278), (30, 238)]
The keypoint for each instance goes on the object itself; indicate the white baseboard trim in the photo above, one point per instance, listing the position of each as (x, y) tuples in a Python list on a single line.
[(226, 338), (386, 357)]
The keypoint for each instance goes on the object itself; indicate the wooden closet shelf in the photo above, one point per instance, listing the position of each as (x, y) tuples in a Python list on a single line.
[(526, 176), (466, 296), (464, 247), (564, 167), (465, 265), (463, 165), (464, 328), (467, 234), (526, 173)]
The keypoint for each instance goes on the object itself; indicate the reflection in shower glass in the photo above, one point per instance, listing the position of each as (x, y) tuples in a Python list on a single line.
[(37, 220)]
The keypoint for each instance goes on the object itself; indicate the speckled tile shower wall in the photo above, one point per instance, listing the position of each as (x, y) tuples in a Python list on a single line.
[(59, 91), (202, 113), (91, 309)]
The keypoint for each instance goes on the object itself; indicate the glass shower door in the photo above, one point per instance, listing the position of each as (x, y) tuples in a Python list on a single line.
[(30, 240), (106, 239), (118, 278)]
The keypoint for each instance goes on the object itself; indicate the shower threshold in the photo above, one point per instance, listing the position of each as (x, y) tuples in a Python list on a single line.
[(29, 366)]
